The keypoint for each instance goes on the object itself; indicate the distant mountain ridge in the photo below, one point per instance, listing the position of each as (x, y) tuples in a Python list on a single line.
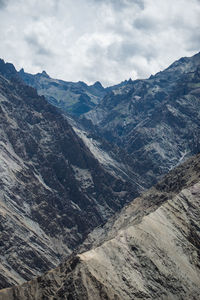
[(156, 120), (72, 97)]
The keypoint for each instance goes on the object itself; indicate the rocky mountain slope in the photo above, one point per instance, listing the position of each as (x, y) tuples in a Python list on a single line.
[(54, 190), (156, 120), (113, 158), (150, 250), (59, 182)]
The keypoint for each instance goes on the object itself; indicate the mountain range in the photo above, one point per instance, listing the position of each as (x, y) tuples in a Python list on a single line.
[(155, 120), (71, 157), (74, 98), (54, 191)]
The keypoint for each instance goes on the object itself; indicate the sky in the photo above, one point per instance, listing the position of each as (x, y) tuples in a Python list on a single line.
[(98, 40)]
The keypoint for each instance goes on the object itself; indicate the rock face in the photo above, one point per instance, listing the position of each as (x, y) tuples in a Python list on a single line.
[(157, 120), (54, 191), (150, 250), (58, 183), (75, 98)]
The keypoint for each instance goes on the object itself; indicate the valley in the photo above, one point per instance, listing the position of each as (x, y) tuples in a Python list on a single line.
[(100, 186)]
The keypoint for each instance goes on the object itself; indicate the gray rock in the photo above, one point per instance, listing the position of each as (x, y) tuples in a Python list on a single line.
[(148, 251), (53, 189), (156, 120)]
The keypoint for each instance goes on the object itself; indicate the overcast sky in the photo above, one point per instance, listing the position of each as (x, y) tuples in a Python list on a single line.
[(105, 40)]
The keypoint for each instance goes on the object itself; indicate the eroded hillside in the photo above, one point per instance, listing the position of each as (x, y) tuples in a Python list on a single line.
[(53, 190), (148, 251)]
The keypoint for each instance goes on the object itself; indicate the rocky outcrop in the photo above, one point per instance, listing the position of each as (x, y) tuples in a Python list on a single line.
[(156, 120), (54, 191), (150, 250)]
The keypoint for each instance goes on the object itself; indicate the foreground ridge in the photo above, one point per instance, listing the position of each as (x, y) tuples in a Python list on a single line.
[(148, 251)]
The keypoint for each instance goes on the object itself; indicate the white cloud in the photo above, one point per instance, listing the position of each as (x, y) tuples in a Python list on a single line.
[(105, 40)]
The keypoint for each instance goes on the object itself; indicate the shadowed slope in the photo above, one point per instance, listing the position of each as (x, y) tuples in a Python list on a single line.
[(148, 251)]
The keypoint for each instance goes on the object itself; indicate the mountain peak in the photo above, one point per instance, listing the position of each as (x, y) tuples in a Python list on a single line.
[(44, 73), (21, 71), (7, 69), (98, 85), (130, 80)]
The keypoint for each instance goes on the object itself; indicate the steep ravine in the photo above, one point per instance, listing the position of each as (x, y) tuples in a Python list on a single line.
[(156, 120), (58, 183), (150, 250), (53, 190)]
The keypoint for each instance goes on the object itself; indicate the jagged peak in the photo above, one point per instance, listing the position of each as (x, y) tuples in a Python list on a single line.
[(82, 83), (97, 85), (7, 69), (44, 73), (21, 71)]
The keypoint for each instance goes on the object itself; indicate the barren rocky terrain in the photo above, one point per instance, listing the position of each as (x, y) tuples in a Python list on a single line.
[(54, 190), (156, 120), (148, 251), (69, 197)]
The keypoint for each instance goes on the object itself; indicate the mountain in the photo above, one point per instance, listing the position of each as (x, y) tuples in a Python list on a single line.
[(155, 120), (54, 190), (60, 181), (150, 250), (75, 98)]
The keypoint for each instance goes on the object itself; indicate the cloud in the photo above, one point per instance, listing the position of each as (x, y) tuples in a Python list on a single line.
[(105, 40), (36, 45), (120, 4), (2, 4)]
